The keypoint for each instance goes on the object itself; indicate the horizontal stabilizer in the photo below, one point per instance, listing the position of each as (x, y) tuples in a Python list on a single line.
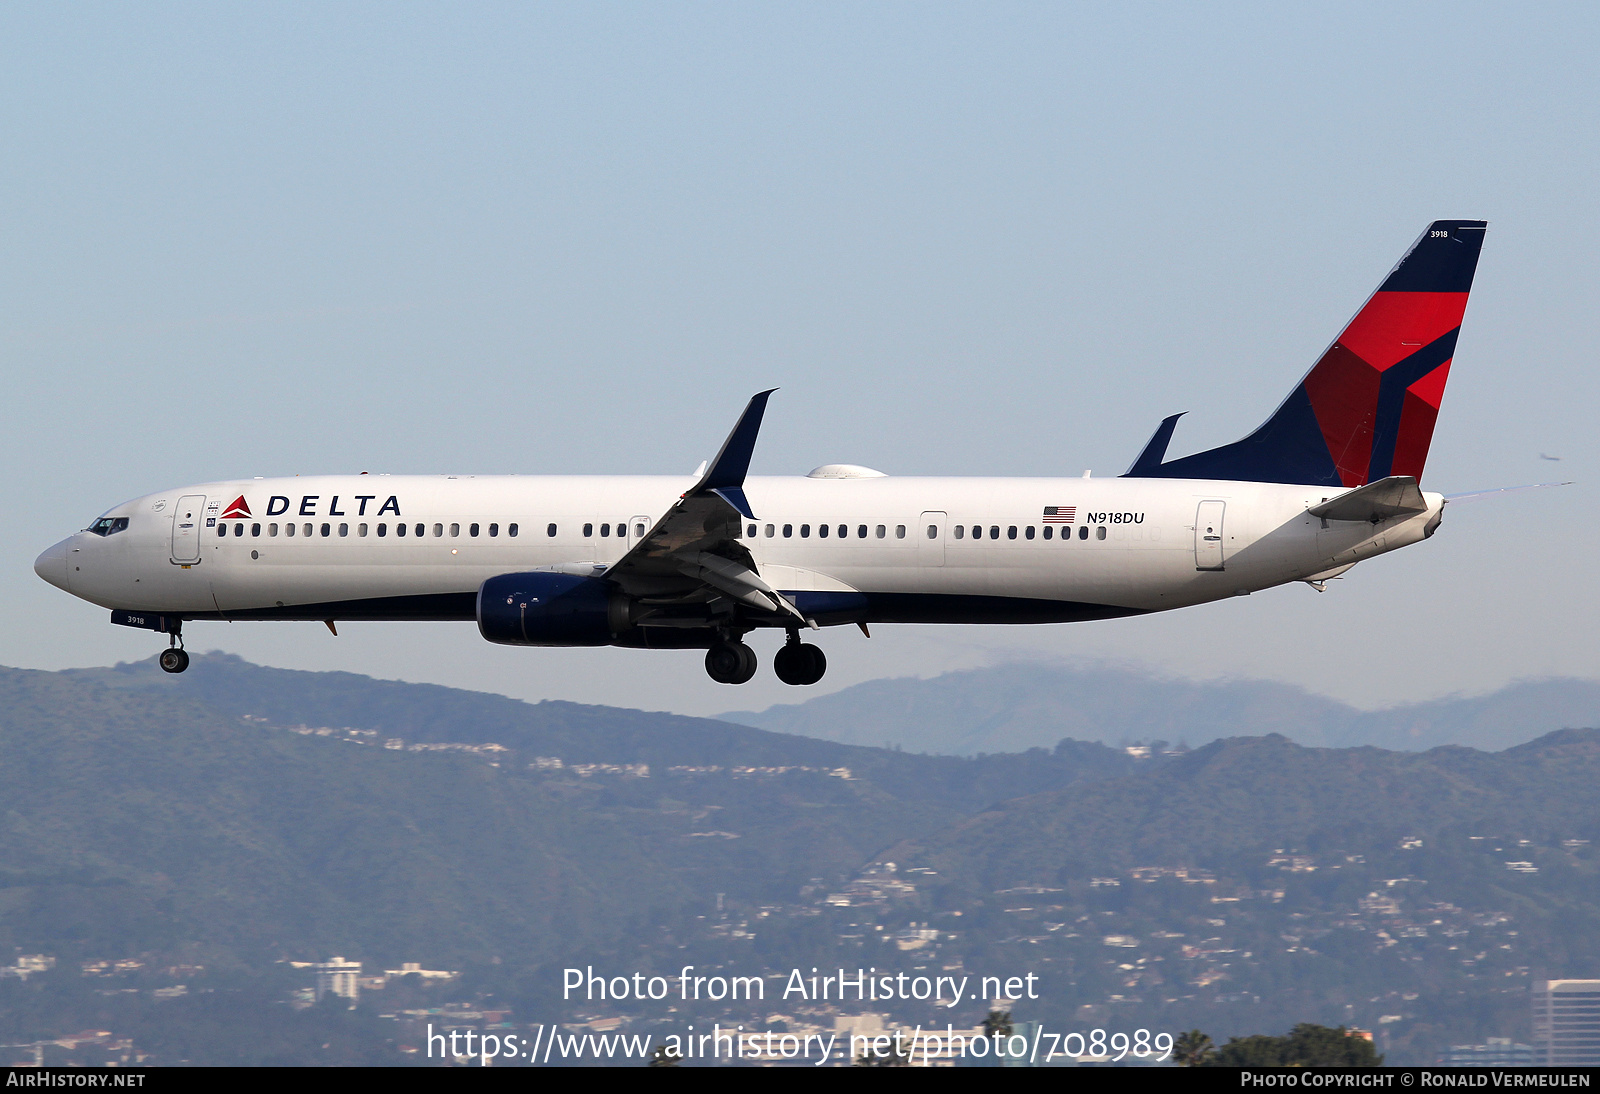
[(1395, 496)]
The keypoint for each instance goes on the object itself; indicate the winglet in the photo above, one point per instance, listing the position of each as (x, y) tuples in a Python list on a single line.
[(725, 476), (1155, 451)]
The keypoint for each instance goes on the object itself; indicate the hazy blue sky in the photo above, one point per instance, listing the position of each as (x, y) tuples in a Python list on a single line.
[(990, 239)]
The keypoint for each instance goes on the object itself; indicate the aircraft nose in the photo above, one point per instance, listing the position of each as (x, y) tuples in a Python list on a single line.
[(52, 565)]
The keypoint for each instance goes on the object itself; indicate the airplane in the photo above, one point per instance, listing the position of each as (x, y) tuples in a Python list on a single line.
[(699, 562)]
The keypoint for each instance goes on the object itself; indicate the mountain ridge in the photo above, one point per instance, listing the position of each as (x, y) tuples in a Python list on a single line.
[(1022, 705)]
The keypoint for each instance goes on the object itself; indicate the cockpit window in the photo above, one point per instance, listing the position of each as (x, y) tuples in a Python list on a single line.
[(108, 526)]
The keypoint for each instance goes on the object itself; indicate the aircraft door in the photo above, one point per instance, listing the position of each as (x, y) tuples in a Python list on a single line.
[(930, 539), (1208, 535), (186, 523), (638, 528)]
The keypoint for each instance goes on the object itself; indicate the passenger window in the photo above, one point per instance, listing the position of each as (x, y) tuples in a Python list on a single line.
[(1027, 533), (307, 529), (753, 530), (769, 531), (844, 531), (327, 530), (605, 531), (899, 531), (222, 529), (494, 530), (399, 529), (361, 530), (994, 531), (288, 529), (822, 531), (1046, 531), (421, 529), (383, 530), (788, 530), (438, 531), (472, 529), (861, 532), (511, 530), (272, 530), (344, 530), (805, 531), (1011, 532), (960, 531), (639, 530), (588, 530), (455, 530), (238, 529), (1100, 532), (1083, 533), (255, 529), (549, 530), (977, 531), (933, 531), (882, 531)]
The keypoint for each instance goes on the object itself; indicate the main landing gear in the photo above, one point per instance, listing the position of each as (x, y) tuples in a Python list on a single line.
[(733, 662), (799, 662), (174, 658), (730, 662)]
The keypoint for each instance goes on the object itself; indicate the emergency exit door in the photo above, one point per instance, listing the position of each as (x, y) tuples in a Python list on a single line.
[(638, 528), (1208, 535), (930, 539)]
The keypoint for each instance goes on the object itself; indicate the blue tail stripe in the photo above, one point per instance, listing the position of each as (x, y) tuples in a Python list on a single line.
[(1392, 400)]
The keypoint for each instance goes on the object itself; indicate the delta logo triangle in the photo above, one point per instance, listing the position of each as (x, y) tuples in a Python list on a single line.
[(239, 508)]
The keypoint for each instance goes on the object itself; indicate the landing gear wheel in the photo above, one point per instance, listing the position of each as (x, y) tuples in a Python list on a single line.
[(800, 663), (174, 660), (730, 662)]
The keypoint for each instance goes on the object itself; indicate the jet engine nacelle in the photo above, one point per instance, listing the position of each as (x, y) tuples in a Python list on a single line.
[(550, 609)]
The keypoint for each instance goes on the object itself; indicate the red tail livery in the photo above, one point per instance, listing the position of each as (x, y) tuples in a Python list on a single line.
[(1366, 410)]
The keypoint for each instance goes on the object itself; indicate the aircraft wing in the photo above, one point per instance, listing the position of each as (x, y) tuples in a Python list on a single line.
[(693, 552)]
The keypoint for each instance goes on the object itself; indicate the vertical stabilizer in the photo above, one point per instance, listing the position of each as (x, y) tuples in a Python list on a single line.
[(1366, 410)]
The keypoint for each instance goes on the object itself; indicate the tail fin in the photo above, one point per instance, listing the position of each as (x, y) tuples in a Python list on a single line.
[(1366, 410)]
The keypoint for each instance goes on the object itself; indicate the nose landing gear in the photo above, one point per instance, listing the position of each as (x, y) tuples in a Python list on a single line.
[(730, 662), (174, 658), (799, 662)]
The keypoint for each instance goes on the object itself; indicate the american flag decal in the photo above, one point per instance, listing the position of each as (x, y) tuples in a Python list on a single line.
[(1060, 514)]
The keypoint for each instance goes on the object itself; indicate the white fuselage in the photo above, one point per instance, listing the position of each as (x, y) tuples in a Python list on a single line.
[(1129, 546)]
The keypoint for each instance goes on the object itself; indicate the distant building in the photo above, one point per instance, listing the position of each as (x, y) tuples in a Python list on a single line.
[(916, 936), (28, 964), (1379, 904), (1566, 1023), (1495, 1052), (414, 968), (340, 977)]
